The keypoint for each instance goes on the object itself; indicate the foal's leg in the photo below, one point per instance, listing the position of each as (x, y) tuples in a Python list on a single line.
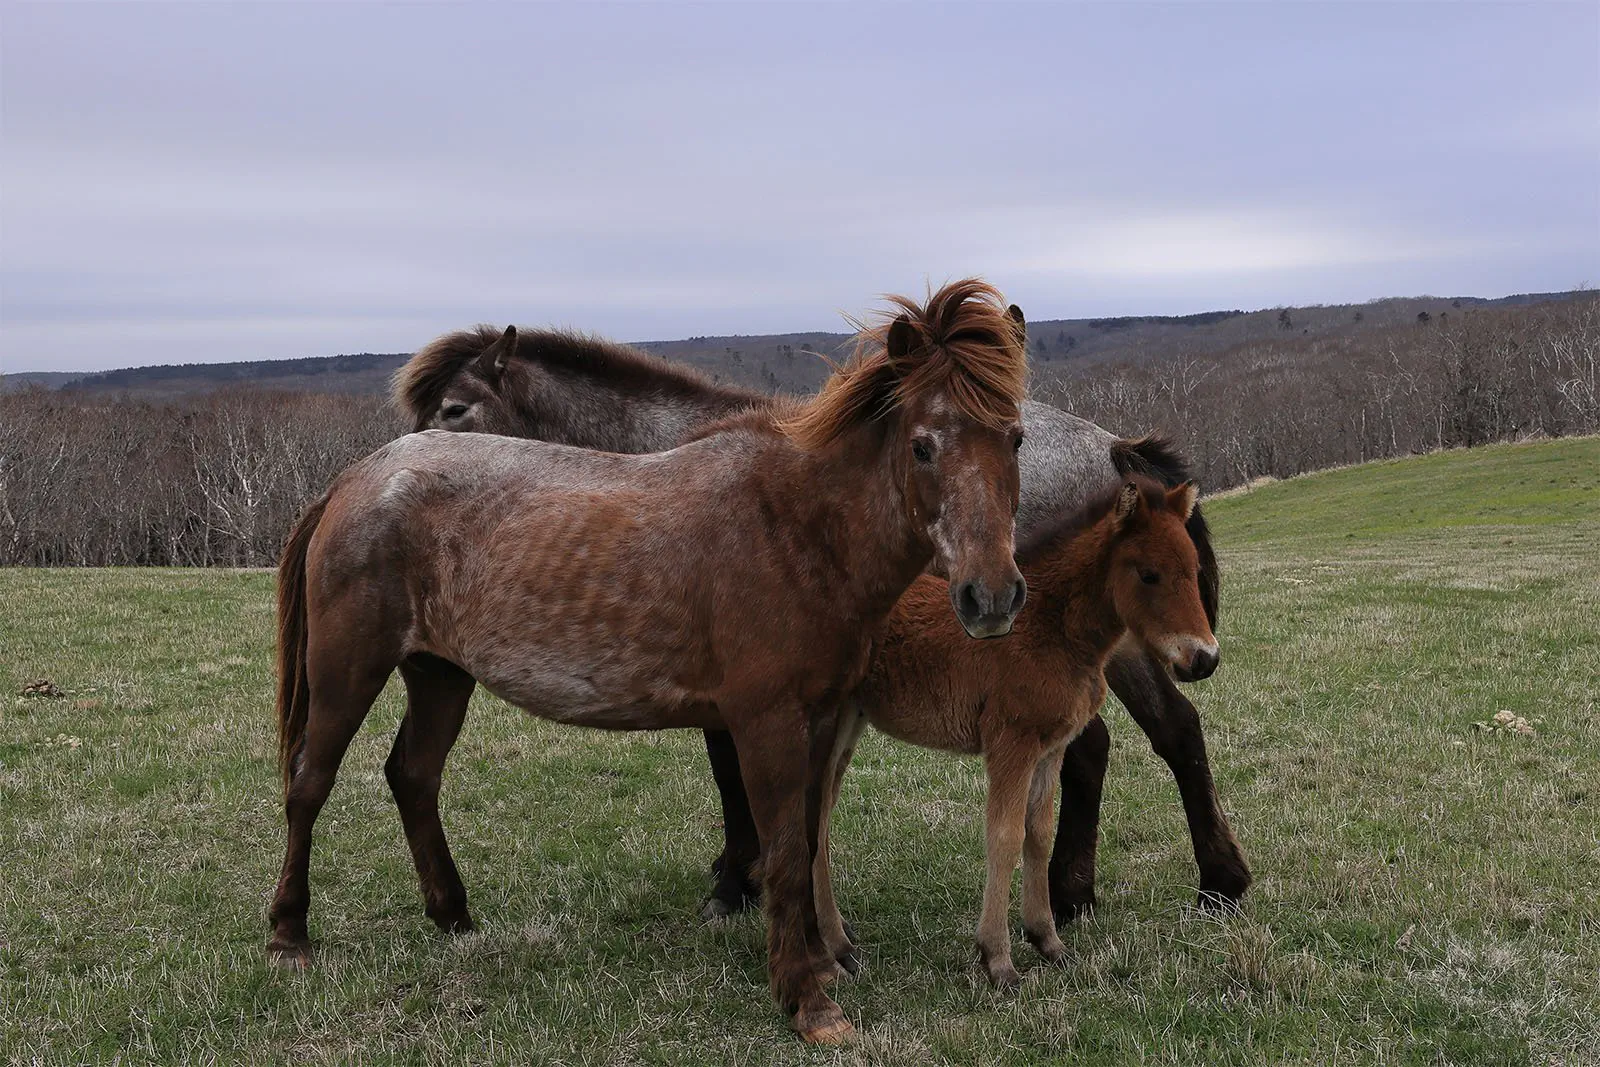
[(1173, 726), (734, 886), (778, 783), (1010, 763), (341, 696), (829, 921), (437, 692), (1038, 923), (1083, 774)]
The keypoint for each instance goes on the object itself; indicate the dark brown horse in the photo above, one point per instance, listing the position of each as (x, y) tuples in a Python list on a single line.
[(1124, 567), (733, 583), (593, 394)]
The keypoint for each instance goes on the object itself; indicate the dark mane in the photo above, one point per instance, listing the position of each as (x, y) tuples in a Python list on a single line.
[(1156, 460), (1155, 456), (1069, 524), (419, 386), (965, 341)]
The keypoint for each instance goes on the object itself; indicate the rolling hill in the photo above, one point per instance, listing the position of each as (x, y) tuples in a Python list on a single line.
[(790, 363)]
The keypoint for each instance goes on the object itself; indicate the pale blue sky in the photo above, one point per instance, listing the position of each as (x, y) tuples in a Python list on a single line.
[(193, 182)]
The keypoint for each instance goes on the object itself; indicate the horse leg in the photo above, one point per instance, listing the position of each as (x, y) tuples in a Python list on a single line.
[(1010, 764), (1083, 774), (437, 692), (835, 932), (341, 696), (1038, 922), (734, 886), (781, 792), (1173, 726)]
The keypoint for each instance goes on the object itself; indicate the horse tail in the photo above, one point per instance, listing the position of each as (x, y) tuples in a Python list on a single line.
[(294, 683), (1157, 457)]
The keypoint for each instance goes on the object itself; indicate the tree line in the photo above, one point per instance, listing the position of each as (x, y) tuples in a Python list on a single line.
[(217, 479)]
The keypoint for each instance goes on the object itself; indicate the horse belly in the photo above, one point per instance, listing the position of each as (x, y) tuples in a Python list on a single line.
[(576, 699)]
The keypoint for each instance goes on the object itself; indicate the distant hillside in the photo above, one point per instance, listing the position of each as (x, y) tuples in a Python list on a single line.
[(791, 363), (47, 379)]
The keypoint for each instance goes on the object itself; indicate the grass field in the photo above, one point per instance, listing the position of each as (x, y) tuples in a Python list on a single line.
[(1427, 893)]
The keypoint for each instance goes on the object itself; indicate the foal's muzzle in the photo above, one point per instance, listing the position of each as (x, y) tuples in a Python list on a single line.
[(1201, 665), (986, 611)]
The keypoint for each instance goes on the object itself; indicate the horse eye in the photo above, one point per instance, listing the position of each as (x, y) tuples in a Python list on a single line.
[(921, 450), (1016, 443), (1149, 577), (454, 411)]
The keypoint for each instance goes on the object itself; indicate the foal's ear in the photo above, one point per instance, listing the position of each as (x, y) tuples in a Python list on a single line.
[(1181, 499), (492, 363), (897, 344), (1127, 504)]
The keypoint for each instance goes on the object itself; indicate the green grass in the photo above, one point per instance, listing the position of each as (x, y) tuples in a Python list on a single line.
[(1426, 894)]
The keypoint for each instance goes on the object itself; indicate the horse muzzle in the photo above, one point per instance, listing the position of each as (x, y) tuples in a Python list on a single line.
[(987, 611)]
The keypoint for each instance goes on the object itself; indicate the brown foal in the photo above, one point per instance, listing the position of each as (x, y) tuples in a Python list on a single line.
[(735, 582), (1124, 569)]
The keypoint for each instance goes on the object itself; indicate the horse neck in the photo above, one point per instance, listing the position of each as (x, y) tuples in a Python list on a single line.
[(854, 501), (1072, 579), (594, 411)]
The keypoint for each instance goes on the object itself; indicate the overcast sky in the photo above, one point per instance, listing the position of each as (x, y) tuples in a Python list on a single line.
[(195, 182)]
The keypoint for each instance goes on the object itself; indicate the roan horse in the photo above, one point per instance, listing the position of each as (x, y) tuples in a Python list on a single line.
[(1123, 566), (733, 583), (581, 391)]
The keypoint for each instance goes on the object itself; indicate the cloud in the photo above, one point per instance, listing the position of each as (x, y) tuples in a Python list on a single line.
[(276, 180)]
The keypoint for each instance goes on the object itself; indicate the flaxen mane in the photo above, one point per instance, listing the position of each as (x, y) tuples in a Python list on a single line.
[(963, 339), (418, 387)]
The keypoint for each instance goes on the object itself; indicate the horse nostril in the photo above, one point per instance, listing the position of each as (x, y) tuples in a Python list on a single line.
[(1019, 595), (967, 600), (1205, 664)]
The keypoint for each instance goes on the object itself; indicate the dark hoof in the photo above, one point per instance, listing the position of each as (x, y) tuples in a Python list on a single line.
[(714, 909), (722, 903), (455, 924), (850, 960), (1070, 910), (1224, 888), (1208, 900)]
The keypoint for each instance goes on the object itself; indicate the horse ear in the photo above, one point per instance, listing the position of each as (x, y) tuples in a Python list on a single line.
[(492, 362), (1181, 499), (1016, 317), (898, 342), (1127, 504)]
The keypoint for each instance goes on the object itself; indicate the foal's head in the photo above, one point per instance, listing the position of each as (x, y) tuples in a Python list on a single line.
[(945, 380), (1153, 576)]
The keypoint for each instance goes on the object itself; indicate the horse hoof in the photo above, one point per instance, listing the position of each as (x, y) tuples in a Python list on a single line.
[(1214, 901), (826, 1028), (850, 960), (288, 956), (455, 924), (1047, 945), (1005, 978), (714, 909), (1071, 910)]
